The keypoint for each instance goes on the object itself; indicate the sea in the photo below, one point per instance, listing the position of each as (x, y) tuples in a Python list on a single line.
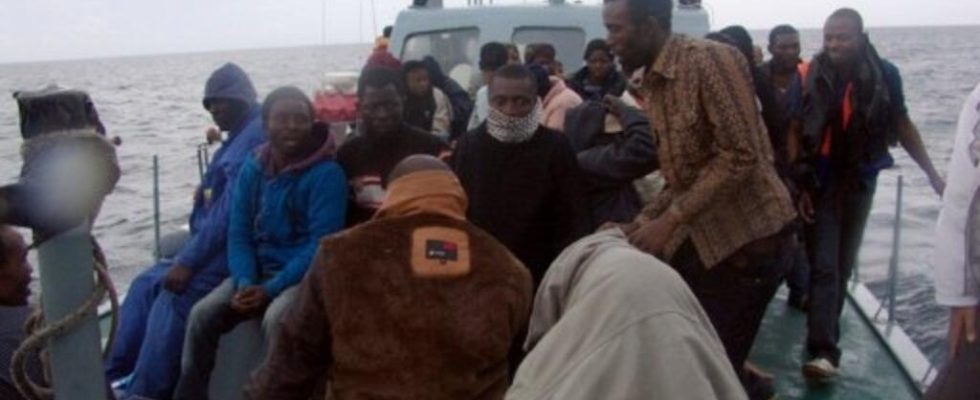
[(154, 104)]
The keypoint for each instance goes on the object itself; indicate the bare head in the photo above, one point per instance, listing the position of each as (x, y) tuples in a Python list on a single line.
[(843, 37), (15, 270), (637, 29)]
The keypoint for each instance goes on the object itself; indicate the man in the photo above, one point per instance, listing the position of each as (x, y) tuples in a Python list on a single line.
[(416, 304), (288, 195), (612, 322), (522, 178), (382, 142), (153, 316), (853, 110), (957, 258), (15, 280), (493, 55), (783, 73), (722, 220)]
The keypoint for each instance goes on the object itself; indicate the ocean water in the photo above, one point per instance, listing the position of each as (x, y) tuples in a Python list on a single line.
[(154, 104)]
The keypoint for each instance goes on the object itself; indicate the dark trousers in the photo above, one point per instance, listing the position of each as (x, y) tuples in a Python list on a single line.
[(736, 292), (798, 278), (833, 241)]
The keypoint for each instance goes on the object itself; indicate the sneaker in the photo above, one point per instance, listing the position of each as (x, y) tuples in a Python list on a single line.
[(819, 369)]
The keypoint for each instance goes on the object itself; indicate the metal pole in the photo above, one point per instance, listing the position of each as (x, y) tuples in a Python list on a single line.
[(156, 207), (66, 282), (896, 242)]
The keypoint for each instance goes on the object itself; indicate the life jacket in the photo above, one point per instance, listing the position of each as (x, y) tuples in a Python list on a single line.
[(847, 111)]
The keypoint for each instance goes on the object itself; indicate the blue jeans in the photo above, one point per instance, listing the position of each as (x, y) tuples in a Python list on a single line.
[(833, 242)]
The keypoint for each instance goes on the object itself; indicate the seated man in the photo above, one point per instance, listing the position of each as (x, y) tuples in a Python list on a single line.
[(152, 321), (288, 196), (611, 322), (522, 178), (383, 140), (416, 304), (15, 280)]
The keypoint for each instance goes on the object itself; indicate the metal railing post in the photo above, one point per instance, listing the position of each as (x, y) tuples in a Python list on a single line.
[(156, 207), (896, 243)]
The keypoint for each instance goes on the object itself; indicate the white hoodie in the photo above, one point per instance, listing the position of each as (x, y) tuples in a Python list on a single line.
[(612, 322), (953, 288)]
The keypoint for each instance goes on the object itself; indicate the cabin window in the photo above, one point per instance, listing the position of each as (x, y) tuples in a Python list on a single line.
[(456, 50), (569, 43)]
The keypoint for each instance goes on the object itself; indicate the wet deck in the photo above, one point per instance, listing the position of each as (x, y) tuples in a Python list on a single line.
[(867, 370)]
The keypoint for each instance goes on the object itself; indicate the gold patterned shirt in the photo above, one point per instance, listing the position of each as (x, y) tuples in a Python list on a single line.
[(713, 150)]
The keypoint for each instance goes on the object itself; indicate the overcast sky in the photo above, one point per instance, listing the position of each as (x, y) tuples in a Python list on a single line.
[(66, 29)]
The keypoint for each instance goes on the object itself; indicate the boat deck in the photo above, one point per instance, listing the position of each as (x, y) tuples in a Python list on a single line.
[(868, 370)]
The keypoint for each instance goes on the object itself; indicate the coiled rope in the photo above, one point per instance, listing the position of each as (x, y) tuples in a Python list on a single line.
[(39, 333)]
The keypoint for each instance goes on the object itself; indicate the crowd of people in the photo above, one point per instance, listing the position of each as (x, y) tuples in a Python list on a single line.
[(506, 245)]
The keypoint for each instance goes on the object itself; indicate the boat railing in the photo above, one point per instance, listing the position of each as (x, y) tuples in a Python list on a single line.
[(918, 369)]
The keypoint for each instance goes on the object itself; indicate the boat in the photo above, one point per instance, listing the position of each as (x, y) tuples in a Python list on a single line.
[(881, 362)]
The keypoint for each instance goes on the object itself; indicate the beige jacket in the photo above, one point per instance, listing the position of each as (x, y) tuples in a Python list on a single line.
[(611, 322)]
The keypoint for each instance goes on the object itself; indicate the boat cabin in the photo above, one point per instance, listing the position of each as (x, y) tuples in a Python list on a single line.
[(453, 36)]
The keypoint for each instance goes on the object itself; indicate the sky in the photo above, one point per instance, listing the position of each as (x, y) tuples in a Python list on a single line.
[(36, 30)]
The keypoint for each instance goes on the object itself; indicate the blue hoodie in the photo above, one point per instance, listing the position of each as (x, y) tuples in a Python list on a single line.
[(205, 252), (278, 218)]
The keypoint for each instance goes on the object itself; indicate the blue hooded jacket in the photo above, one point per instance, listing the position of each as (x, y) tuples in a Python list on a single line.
[(205, 251), (278, 218)]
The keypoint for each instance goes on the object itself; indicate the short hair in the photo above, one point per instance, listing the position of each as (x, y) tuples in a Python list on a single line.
[(493, 55), (743, 41), (849, 13), (379, 78), (517, 72), (284, 93), (542, 50), (413, 65), (387, 31), (661, 10), (783, 29), (597, 45)]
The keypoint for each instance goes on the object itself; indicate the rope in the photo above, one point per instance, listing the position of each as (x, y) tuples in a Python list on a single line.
[(39, 333)]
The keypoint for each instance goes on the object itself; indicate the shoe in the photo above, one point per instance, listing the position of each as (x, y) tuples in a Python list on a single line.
[(819, 369)]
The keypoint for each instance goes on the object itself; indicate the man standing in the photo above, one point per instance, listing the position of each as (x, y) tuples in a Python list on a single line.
[(783, 69), (853, 110), (522, 178), (384, 140), (152, 321), (417, 303), (722, 220)]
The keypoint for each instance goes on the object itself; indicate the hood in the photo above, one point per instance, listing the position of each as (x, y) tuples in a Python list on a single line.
[(425, 192), (230, 82), (327, 150), (435, 71)]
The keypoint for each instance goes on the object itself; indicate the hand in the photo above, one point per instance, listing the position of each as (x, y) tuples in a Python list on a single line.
[(250, 300), (805, 207), (653, 237), (614, 105), (212, 135), (938, 184), (962, 326), (177, 278)]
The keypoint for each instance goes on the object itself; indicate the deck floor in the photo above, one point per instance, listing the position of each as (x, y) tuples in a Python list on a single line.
[(867, 369)]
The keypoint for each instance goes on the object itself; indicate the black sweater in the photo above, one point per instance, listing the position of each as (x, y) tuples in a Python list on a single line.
[(527, 195), (367, 161)]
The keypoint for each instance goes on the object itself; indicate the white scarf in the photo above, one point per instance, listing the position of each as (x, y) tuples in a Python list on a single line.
[(509, 129)]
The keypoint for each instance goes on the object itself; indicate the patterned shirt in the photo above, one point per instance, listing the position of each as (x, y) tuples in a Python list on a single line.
[(713, 149)]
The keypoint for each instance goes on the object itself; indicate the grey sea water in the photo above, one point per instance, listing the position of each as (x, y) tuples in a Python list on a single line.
[(154, 104)]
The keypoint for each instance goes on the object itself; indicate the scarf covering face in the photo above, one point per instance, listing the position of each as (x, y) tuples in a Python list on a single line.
[(425, 192), (509, 129)]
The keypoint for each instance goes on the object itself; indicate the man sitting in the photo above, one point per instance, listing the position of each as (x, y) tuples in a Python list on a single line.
[(415, 304), (288, 195)]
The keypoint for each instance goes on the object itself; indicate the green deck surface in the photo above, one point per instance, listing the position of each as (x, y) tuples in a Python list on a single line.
[(867, 369)]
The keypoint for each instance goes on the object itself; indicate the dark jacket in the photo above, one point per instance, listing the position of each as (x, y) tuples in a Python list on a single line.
[(527, 195), (458, 97), (615, 85), (611, 162)]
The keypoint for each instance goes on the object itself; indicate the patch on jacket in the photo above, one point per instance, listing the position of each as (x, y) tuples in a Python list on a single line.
[(440, 252)]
